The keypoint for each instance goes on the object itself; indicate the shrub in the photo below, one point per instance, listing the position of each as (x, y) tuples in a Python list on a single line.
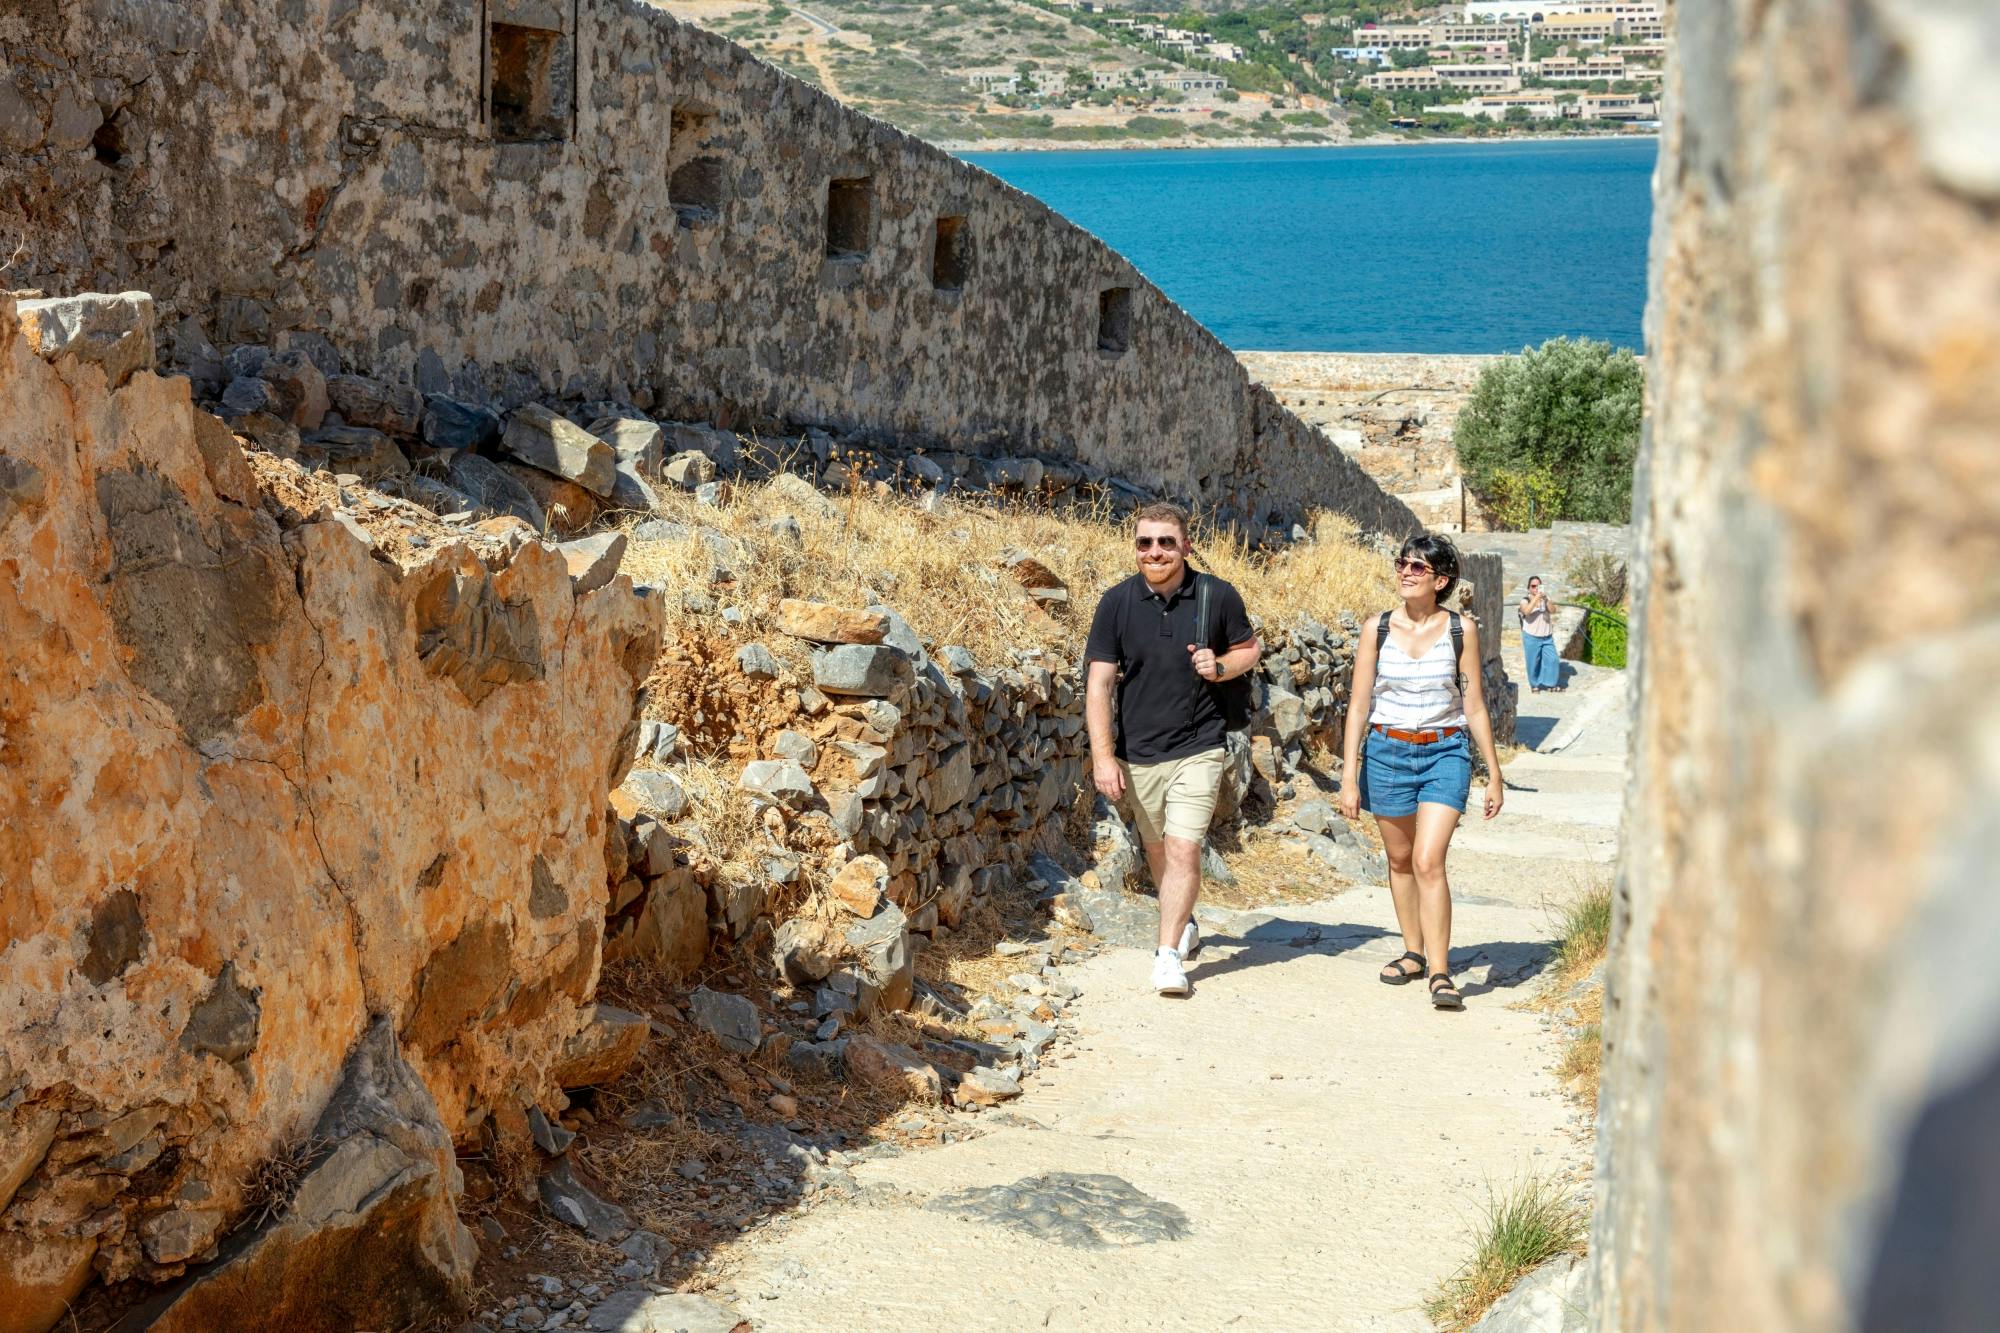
[(1605, 642), (1529, 1225), (1528, 497), (1568, 407), (1598, 575)]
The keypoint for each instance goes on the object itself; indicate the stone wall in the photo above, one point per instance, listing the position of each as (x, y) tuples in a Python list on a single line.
[(1392, 413), (528, 200), (276, 768), (1803, 1022)]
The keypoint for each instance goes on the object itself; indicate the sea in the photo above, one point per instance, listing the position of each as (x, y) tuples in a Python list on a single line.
[(1439, 248)]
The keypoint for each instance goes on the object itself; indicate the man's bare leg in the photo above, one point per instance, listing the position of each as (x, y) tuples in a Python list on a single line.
[(1179, 880)]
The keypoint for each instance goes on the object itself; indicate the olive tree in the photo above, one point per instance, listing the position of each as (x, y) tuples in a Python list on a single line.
[(1560, 423)]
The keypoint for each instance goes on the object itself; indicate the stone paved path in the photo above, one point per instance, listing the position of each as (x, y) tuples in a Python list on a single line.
[(1296, 1146)]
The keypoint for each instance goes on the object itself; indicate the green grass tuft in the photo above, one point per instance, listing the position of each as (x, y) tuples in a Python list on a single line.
[(1528, 1226), (1584, 933)]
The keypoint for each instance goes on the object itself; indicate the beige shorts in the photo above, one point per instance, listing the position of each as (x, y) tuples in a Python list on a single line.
[(1175, 797)]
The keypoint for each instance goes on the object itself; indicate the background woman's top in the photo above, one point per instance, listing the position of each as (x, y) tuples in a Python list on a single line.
[(1537, 623), (1417, 693)]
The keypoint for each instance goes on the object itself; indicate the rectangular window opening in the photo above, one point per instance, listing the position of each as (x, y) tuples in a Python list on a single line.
[(951, 257), (1114, 320), (523, 105), (850, 217), (697, 182)]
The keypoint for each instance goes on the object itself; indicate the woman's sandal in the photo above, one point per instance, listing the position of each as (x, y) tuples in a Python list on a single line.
[(1444, 995), (1392, 974)]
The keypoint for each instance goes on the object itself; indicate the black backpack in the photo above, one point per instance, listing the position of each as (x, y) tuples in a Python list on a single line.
[(1457, 642), (1232, 695)]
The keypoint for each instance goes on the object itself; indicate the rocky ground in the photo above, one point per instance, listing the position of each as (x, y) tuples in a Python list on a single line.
[(1295, 1146)]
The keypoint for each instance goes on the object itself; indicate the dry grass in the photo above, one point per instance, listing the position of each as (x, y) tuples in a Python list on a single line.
[(941, 568), (1583, 937), (1532, 1223)]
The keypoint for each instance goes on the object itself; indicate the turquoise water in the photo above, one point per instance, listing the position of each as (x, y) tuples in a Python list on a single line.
[(1422, 248)]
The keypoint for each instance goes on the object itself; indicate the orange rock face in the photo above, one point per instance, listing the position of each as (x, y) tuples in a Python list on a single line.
[(261, 782)]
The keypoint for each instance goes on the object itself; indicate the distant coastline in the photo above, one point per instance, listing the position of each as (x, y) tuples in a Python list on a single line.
[(961, 148)]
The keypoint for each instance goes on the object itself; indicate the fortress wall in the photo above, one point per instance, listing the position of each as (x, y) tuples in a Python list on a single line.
[(1803, 1023), (658, 230)]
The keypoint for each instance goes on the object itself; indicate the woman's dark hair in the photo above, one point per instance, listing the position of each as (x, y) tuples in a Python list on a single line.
[(1439, 554)]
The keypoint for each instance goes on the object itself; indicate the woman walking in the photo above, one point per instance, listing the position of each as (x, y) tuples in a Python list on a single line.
[(1417, 670), (1538, 641)]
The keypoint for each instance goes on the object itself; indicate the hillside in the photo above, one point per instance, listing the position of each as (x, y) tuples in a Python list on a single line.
[(999, 73)]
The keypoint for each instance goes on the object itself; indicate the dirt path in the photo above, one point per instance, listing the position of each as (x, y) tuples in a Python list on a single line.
[(1296, 1146)]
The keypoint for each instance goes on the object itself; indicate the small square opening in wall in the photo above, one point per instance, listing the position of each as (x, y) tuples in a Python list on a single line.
[(522, 99), (695, 190), (951, 256), (1114, 319), (850, 217)]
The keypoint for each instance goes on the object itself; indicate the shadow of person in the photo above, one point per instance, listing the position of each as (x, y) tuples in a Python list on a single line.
[(1276, 940), (1508, 963)]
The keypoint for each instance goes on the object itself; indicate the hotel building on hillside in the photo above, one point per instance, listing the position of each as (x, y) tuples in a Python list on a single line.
[(1478, 78), (1423, 79), (1526, 11), (1398, 38)]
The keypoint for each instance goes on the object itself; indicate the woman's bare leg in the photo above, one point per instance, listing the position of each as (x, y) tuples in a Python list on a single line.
[(1431, 839), (1399, 837)]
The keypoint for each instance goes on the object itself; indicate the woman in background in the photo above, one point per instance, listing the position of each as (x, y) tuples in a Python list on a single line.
[(1538, 642)]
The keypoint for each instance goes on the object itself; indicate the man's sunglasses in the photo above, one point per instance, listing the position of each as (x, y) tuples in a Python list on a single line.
[(1164, 543), (1412, 567)]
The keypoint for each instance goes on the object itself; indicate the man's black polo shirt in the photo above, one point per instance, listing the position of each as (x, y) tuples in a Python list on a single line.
[(1165, 710)]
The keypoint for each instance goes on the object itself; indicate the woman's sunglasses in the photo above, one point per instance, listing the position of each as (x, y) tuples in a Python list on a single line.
[(1164, 543), (1412, 567)]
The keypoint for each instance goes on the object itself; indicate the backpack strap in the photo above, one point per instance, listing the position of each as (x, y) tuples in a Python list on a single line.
[(1457, 636), (1382, 632), (1200, 610)]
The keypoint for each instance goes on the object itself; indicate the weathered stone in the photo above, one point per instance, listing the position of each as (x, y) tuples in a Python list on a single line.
[(985, 1086), (800, 495), (248, 395), (491, 487), (672, 931), (362, 401), (755, 661), (300, 387), (884, 960), (451, 424), (731, 1019), (548, 1136), (575, 1204), (540, 438), (786, 529), (224, 1023), (368, 454), (688, 470), (605, 1048), (593, 561), (657, 792), (797, 747), (1551, 1299), (635, 441), (1068, 1208), (805, 951), (630, 490), (568, 507), (780, 779), (869, 670), (950, 783), (659, 741), (859, 885), (889, 1068), (182, 1234), (824, 623), (1288, 716), (1318, 816), (113, 333), (380, 1200)]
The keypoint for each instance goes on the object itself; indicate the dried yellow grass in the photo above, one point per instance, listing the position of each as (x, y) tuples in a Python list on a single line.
[(940, 568)]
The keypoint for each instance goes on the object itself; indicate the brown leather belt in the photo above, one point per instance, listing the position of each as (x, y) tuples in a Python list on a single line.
[(1417, 737)]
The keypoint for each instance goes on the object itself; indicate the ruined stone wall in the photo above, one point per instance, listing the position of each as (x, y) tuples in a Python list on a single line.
[(1803, 1026), (272, 772), (521, 199)]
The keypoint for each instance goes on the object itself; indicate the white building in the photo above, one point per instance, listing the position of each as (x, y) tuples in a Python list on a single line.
[(1527, 11)]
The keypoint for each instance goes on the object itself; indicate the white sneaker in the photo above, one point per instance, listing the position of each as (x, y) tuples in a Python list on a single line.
[(1190, 942), (1168, 979)]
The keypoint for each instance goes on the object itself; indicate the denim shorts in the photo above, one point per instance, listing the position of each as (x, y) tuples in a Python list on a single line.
[(1397, 776)]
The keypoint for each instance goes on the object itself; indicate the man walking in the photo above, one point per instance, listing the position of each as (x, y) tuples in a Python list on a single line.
[(1148, 648)]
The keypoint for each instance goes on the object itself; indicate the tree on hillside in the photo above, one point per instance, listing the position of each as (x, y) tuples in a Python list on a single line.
[(1552, 433)]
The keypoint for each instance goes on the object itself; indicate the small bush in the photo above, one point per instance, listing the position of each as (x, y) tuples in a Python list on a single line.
[(1571, 408), (1534, 1223), (1604, 644), (1584, 932), (1599, 575), (1519, 498)]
